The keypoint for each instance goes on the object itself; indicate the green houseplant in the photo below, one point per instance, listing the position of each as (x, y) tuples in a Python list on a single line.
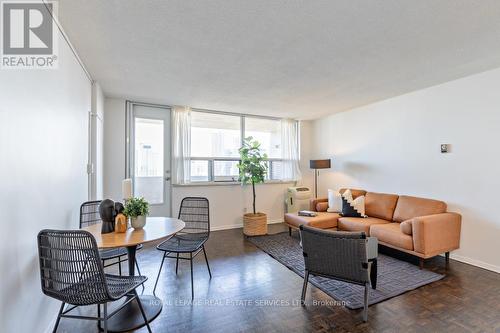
[(253, 170), (137, 209)]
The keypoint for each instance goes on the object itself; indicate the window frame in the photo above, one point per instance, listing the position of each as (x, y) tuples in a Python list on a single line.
[(211, 160)]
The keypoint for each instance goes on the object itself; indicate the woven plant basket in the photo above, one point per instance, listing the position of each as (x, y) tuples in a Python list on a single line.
[(255, 224)]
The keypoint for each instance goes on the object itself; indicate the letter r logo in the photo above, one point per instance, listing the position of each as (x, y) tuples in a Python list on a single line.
[(27, 28)]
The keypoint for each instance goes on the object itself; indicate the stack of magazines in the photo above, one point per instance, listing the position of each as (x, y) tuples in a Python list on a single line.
[(309, 213)]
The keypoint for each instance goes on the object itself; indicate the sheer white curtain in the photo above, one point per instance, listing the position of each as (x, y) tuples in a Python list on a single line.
[(181, 144), (290, 149)]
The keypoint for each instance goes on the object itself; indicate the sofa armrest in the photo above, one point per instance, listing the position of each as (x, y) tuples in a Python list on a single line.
[(435, 234), (315, 201)]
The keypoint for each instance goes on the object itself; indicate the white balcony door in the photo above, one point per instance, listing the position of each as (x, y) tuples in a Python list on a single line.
[(150, 156)]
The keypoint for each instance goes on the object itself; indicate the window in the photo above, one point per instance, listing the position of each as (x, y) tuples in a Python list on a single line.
[(267, 132), (215, 135), (148, 180), (216, 138)]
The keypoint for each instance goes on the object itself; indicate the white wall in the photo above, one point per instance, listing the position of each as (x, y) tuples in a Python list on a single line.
[(227, 202), (394, 146), (114, 148), (44, 151)]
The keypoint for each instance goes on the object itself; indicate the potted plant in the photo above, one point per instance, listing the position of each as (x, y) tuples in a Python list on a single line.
[(252, 170), (136, 209)]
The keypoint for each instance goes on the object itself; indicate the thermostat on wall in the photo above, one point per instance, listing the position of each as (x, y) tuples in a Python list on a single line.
[(445, 148)]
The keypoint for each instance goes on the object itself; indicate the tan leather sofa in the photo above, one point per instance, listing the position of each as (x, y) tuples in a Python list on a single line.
[(418, 226)]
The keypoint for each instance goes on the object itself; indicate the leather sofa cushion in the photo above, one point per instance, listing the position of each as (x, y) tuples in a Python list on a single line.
[(406, 227), (359, 223), (355, 193), (321, 206), (324, 220), (380, 205), (390, 233), (410, 207), (313, 203)]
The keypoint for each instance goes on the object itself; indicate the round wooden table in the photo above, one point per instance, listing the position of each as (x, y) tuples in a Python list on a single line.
[(156, 229)]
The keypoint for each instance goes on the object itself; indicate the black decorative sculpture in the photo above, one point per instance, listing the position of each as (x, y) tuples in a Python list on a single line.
[(119, 208), (107, 213)]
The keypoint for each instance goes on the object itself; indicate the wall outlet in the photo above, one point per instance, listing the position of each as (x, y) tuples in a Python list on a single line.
[(445, 148)]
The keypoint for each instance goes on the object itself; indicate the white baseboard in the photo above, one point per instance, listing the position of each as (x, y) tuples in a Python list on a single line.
[(240, 225), (475, 262)]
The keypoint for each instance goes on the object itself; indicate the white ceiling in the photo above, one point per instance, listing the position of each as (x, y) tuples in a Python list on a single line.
[(293, 58)]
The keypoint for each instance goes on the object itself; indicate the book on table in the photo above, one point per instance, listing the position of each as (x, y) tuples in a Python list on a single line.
[(308, 213)]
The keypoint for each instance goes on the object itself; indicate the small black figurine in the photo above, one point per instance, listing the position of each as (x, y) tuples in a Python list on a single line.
[(119, 208), (107, 213)]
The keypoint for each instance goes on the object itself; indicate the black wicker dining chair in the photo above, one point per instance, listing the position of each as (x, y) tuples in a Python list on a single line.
[(89, 215), (194, 211), (353, 260), (71, 271)]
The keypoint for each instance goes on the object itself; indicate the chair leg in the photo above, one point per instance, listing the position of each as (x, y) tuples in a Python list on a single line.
[(205, 253), (191, 262), (58, 318), (159, 271), (421, 263), (177, 264), (142, 310), (304, 287), (105, 317), (365, 307), (99, 316), (373, 274)]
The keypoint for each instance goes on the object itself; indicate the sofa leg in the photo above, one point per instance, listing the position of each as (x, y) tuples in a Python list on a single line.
[(447, 257), (421, 263), (289, 231)]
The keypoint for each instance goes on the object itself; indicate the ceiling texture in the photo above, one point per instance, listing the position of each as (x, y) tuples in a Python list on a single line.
[(289, 58)]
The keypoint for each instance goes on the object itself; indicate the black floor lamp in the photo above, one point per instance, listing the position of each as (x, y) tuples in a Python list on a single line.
[(316, 165)]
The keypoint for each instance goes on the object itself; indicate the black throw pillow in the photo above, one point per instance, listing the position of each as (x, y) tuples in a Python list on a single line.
[(353, 208)]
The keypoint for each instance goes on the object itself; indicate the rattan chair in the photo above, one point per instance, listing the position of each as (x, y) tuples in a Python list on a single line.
[(89, 215), (191, 240), (338, 255), (71, 271)]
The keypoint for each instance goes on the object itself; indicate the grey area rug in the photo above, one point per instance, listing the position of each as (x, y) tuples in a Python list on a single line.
[(395, 277)]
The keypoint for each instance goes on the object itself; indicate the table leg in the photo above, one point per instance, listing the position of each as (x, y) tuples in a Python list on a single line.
[(131, 250), (130, 317)]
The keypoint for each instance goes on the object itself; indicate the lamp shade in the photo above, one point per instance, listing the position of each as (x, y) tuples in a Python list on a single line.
[(320, 164)]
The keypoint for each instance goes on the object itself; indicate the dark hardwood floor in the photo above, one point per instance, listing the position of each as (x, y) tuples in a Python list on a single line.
[(252, 292)]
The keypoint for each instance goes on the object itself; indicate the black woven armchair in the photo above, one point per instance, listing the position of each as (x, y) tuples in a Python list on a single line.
[(89, 215), (194, 211), (344, 256), (71, 271)]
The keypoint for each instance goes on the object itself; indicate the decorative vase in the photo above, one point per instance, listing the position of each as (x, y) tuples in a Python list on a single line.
[(120, 223), (138, 222), (255, 224), (107, 214)]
